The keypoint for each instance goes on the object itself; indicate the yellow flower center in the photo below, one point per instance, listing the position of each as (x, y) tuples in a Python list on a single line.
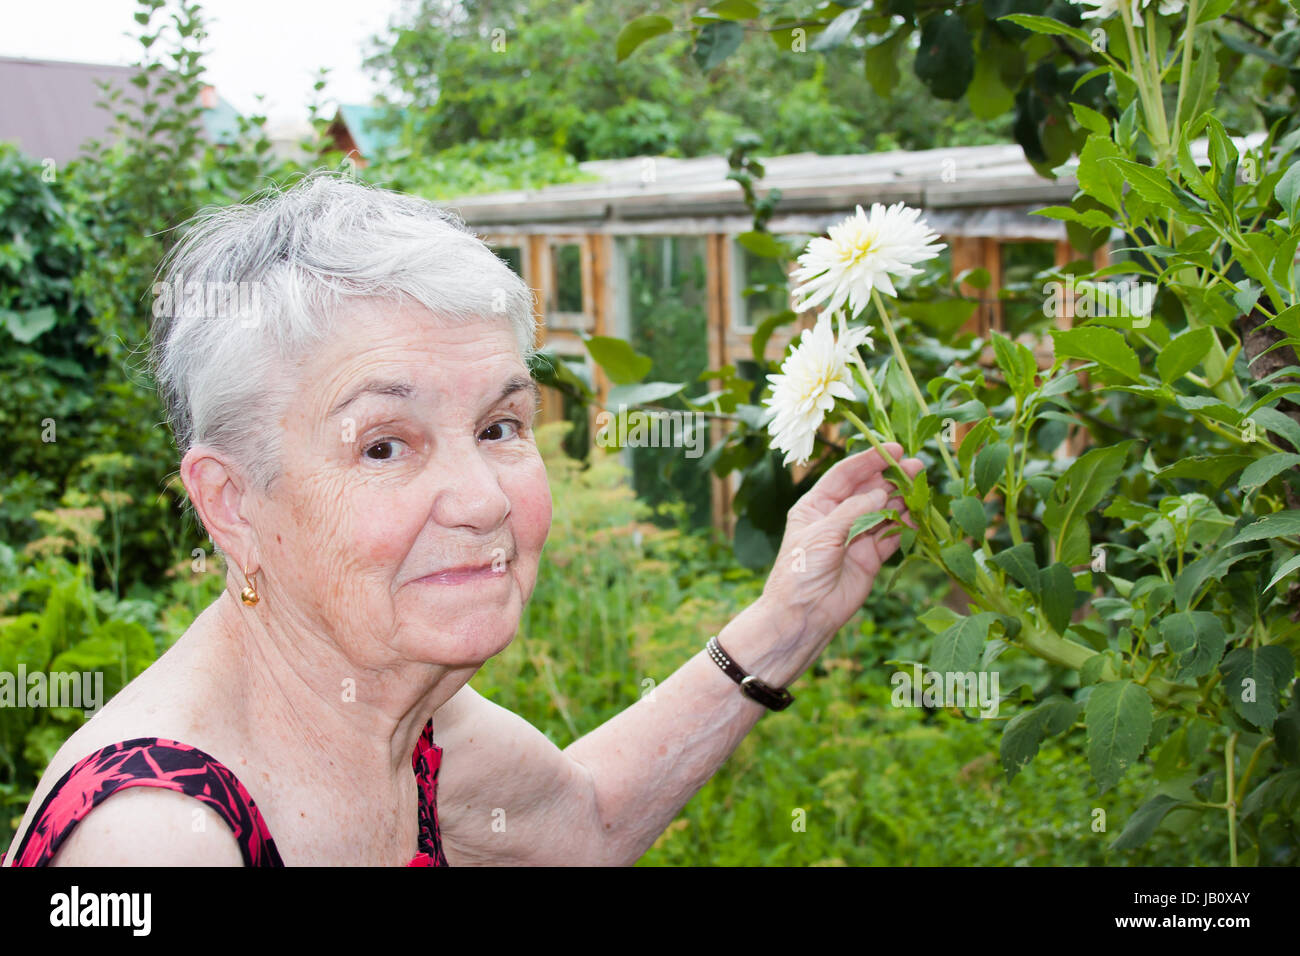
[(863, 245)]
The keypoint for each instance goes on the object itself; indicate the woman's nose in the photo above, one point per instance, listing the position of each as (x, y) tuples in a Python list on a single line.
[(467, 489)]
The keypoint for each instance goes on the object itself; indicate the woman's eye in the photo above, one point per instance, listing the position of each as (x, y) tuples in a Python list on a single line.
[(383, 450), (493, 431)]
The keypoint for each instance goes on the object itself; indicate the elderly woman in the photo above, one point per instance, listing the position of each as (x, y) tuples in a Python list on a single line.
[(358, 443)]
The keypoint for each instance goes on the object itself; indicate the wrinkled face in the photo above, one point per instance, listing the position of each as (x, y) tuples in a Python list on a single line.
[(408, 519)]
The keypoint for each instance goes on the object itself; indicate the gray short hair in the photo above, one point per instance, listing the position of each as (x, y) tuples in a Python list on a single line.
[(249, 288)]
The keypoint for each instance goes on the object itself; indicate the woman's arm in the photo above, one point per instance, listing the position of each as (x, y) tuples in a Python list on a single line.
[(508, 795), (149, 826)]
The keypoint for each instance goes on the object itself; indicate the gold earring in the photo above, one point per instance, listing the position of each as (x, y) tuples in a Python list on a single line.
[(249, 595)]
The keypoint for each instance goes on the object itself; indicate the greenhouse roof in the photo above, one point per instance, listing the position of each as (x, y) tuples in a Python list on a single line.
[(985, 190)]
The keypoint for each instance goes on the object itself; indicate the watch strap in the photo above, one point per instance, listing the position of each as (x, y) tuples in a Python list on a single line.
[(773, 698)]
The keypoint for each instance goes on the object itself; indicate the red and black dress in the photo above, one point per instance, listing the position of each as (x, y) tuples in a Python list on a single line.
[(153, 762)]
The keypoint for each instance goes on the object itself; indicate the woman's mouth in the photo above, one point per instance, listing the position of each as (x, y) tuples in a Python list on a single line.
[(466, 575)]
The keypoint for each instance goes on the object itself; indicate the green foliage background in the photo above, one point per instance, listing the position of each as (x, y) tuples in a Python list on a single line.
[(101, 570)]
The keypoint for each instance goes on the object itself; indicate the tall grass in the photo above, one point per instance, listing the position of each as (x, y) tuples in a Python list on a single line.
[(843, 777)]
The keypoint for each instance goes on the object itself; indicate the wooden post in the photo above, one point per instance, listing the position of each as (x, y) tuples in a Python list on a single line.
[(991, 250), (717, 267), (597, 258), (534, 255)]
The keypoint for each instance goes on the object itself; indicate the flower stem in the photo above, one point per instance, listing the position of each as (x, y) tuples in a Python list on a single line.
[(907, 374), (858, 423), (1230, 799), (870, 386)]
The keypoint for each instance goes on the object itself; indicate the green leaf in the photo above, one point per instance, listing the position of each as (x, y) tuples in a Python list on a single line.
[(1017, 363), (763, 244), (1287, 191), (942, 316), (970, 444), (1048, 26), (28, 326), (969, 512), (989, 466), (988, 96), (1144, 821), (1279, 423), (1213, 565), (1253, 680), (736, 9), (752, 547), (1286, 732), (1184, 353), (646, 394), (838, 31), (715, 42), (623, 364), (1118, 718), (1019, 562), (1090, 119), (1057, 595), (1025, 731), (1264, 470), (1096, 176), (939, 618), (1271, 526), (1154, 186), (956, 650), (960, 561), (1092, 669), (881, 62), (763, 333), (1286, 568), (1281, 789), (1198, 638), (1091, 218), (864, 523), (1215, 470), (945, 59), (1104, 346), (637, 32), (1076, 493)]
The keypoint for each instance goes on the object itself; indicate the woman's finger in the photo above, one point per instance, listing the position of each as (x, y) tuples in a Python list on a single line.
[(846, 477)]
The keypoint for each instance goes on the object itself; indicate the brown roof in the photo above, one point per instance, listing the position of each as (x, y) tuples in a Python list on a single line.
[(48, 106)]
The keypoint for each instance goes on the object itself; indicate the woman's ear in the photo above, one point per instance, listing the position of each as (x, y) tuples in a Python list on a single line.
[(217, 489)]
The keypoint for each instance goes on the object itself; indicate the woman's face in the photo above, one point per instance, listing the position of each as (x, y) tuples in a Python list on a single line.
[(412, 505)]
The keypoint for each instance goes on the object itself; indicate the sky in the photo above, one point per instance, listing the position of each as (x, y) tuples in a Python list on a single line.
[(273, 47)]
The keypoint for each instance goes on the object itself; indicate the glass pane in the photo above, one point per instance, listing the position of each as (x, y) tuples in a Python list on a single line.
[(577, 443), (766, 282), (1022, 309), (566, 277), (668, 321), (512, 256)]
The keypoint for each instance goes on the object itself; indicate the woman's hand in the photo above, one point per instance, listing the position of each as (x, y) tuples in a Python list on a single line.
[(816, 580)]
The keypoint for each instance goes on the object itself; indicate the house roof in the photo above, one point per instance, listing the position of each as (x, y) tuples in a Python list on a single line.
[(973, 190), (49, 110), (964, 190), (363, 124)]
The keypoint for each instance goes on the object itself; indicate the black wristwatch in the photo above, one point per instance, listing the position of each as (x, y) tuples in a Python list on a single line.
[(773, 698)]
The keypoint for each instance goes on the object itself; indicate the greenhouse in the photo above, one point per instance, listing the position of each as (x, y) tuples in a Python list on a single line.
[(649, 254)]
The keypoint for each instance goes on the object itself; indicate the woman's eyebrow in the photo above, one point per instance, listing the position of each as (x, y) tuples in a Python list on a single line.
[(519, 383), (393, 389), (405, 390)]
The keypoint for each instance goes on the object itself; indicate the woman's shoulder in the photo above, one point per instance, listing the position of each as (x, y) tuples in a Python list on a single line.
[(150, 826), (149, 750), (169, 798)]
